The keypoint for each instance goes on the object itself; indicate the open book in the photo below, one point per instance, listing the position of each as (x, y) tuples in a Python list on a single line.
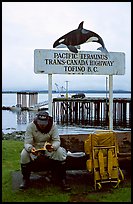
[(46, 146)]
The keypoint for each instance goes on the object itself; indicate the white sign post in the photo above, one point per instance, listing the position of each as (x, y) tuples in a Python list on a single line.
[(110, 102), (50, 94), (47, 61)]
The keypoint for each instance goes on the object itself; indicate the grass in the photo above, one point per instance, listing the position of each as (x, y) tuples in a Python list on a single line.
[(81, 192)]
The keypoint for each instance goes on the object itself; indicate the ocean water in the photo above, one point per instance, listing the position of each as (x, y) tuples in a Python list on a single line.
[(17, 121)]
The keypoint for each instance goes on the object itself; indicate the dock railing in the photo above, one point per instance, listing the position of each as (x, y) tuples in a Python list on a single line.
[(92, 111)]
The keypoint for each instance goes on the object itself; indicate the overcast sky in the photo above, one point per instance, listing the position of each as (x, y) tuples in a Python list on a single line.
[(27, 26)]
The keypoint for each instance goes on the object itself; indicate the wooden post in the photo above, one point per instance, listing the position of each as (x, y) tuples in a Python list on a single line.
[(24, 99), (67, 89), (19, 102)]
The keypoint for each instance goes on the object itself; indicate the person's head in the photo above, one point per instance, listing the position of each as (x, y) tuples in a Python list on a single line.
[(42, 119)]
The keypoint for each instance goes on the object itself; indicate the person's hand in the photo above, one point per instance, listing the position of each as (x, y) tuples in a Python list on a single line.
[(33, 151), (49, 147)]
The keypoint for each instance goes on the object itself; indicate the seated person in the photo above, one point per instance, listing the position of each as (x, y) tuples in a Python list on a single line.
[(41, 130)]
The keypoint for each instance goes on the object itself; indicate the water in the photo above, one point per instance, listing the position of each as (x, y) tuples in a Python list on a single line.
[(17, 121)]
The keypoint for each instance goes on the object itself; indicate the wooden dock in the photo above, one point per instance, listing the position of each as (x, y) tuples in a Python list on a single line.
[(92, 111)]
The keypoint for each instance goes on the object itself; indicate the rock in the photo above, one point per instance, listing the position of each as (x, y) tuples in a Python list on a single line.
[(17, 135)]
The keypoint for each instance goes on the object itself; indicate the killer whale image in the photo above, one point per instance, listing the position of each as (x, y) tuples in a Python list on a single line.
[(76, 37)]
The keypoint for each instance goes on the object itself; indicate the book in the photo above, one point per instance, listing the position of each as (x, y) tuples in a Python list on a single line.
[(47, 146)]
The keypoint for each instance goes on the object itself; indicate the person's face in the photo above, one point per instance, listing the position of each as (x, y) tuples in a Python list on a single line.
[(42, 127)]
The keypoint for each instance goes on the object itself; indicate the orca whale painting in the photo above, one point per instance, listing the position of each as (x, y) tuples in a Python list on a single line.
[(75, 38)]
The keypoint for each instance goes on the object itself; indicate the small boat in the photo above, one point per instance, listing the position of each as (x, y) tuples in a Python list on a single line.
[(78, 95), (15, 108), (32, 109)]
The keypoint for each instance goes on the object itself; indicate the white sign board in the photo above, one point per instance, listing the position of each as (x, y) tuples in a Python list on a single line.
[(49, 61)]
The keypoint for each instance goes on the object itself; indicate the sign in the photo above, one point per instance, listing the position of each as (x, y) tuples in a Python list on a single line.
[(49, 61)]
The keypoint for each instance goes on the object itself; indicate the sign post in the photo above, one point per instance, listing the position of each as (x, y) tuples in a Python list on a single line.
[(110, 102), (50, 94), (47, 61)]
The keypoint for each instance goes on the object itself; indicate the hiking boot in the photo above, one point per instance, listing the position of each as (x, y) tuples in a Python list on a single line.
[(65, 186), (25, 170), (25, 184)]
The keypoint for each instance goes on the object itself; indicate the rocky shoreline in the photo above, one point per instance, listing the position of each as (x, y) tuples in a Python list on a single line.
[(16, 135)]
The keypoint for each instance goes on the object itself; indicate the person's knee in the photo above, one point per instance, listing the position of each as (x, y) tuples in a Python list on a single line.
[(62, 154), (24, 157)]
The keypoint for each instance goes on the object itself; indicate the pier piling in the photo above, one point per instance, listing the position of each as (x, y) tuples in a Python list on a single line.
[(27, 99), (91, 111)]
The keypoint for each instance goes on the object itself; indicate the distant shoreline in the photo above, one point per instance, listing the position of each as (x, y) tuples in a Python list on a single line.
[(69, 91)]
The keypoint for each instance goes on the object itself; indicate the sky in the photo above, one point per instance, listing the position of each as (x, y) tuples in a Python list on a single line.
[(27, 26)]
